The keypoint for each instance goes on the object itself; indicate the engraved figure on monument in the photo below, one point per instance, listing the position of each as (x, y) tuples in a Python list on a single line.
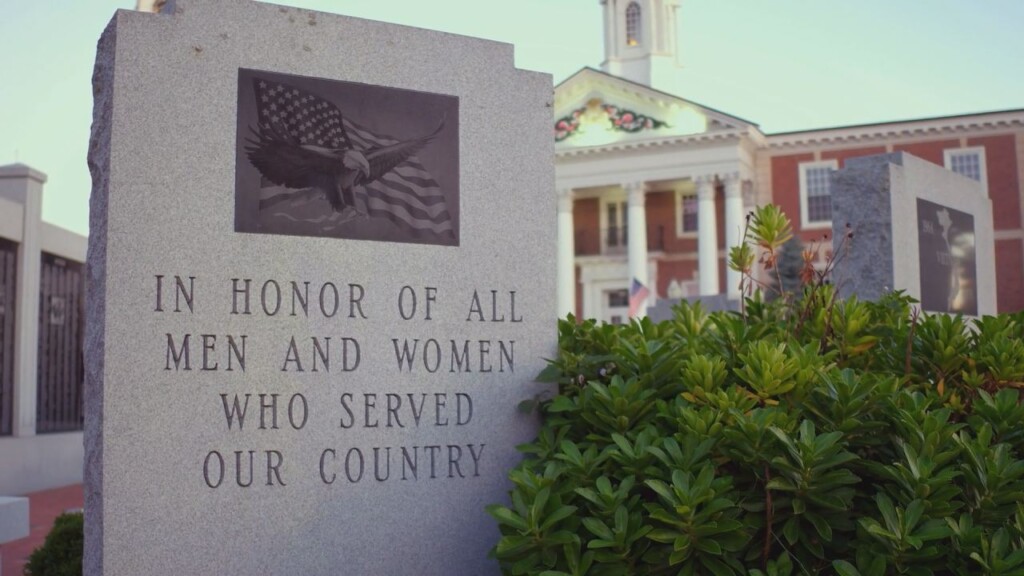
[(318, 158), (947, 259)]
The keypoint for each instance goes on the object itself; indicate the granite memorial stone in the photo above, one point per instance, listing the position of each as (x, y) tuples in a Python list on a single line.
[(917, 227), (321, 279)]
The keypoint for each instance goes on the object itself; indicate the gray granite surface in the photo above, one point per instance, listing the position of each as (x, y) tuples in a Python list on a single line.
[(168, 484), (862, 226)]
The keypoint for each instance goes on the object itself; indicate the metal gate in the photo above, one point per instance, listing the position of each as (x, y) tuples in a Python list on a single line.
[(60, 370), (8, 270)]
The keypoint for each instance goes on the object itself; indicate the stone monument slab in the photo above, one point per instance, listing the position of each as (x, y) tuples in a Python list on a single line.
[(321, 279), (917, 227)]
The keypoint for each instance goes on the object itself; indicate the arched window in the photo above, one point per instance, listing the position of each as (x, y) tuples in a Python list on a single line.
[(633, 24)]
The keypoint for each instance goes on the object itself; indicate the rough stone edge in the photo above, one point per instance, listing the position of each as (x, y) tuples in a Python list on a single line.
[(96, 296), (875, 170)]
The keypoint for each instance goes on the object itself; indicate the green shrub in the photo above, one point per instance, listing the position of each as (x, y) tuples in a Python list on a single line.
[(61, 552), (807, 435)]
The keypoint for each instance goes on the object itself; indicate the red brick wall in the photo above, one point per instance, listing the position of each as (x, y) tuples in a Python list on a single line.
[(930, 151), (661, 212), (786, 185), (842, 155), (1010, 275), (1003, 184)]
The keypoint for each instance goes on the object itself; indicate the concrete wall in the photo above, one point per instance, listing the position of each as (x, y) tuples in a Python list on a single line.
[(38, 462), (33, 462)]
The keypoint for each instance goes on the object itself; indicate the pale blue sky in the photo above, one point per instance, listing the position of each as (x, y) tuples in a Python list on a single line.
[(784, 64)]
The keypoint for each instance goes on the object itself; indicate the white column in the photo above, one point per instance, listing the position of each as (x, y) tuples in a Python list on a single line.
[(734, 223), (24, 186), (637, 223), (707, 236), (566, 255)]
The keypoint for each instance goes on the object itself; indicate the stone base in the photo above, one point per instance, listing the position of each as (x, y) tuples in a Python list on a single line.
[(13, 518)]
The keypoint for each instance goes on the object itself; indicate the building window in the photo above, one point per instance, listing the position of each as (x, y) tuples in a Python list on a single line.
[(60, 369), (686, 214), (816, 193), (969, 162), (633, 24), (618, 298), (8, 290), (616, 233)]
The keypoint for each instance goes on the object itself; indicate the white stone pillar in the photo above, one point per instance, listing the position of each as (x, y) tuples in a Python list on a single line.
[(637, 222), (24, 186), (707, 236), (566, 254), (734, 223)]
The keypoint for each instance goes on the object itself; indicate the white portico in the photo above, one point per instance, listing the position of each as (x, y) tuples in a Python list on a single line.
[(652, 187)]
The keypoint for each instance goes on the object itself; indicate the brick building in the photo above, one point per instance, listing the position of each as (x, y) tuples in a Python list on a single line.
[(655, 187)]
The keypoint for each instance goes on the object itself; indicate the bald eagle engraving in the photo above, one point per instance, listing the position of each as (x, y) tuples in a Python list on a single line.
[(311, 170), (284, 159)]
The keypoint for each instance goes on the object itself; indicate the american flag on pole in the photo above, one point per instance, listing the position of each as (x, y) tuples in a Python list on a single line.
[(407, 196), (637, 297)]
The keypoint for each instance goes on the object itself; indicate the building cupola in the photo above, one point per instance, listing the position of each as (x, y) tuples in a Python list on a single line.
[(641, 42)]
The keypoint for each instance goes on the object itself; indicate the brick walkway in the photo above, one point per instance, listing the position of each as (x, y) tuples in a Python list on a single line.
[(44, 507)]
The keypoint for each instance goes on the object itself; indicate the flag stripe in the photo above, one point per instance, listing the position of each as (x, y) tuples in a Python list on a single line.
[(398, 193), (416, 225), (430, 187), (384, 203), (637, 295)]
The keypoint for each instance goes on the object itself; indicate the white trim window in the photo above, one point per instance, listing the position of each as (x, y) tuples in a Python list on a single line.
[(614, 224), (633, 29), (968, 162), (816, 193), (686, 214)]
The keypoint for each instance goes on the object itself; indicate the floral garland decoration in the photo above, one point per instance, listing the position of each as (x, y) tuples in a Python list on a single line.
[(569, 125), (629, 121)]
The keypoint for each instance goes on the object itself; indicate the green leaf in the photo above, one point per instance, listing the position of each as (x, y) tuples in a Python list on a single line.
[(791, 530), (709, 546), (844, 568), (557, 515), (561, 404), (716, 566), (663, 535), (598, 528), (506, 516)]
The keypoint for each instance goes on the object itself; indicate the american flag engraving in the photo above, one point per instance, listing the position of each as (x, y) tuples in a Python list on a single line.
[(315, 170)]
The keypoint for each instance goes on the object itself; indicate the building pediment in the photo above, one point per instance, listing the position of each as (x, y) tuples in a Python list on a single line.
[(593, 108)]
